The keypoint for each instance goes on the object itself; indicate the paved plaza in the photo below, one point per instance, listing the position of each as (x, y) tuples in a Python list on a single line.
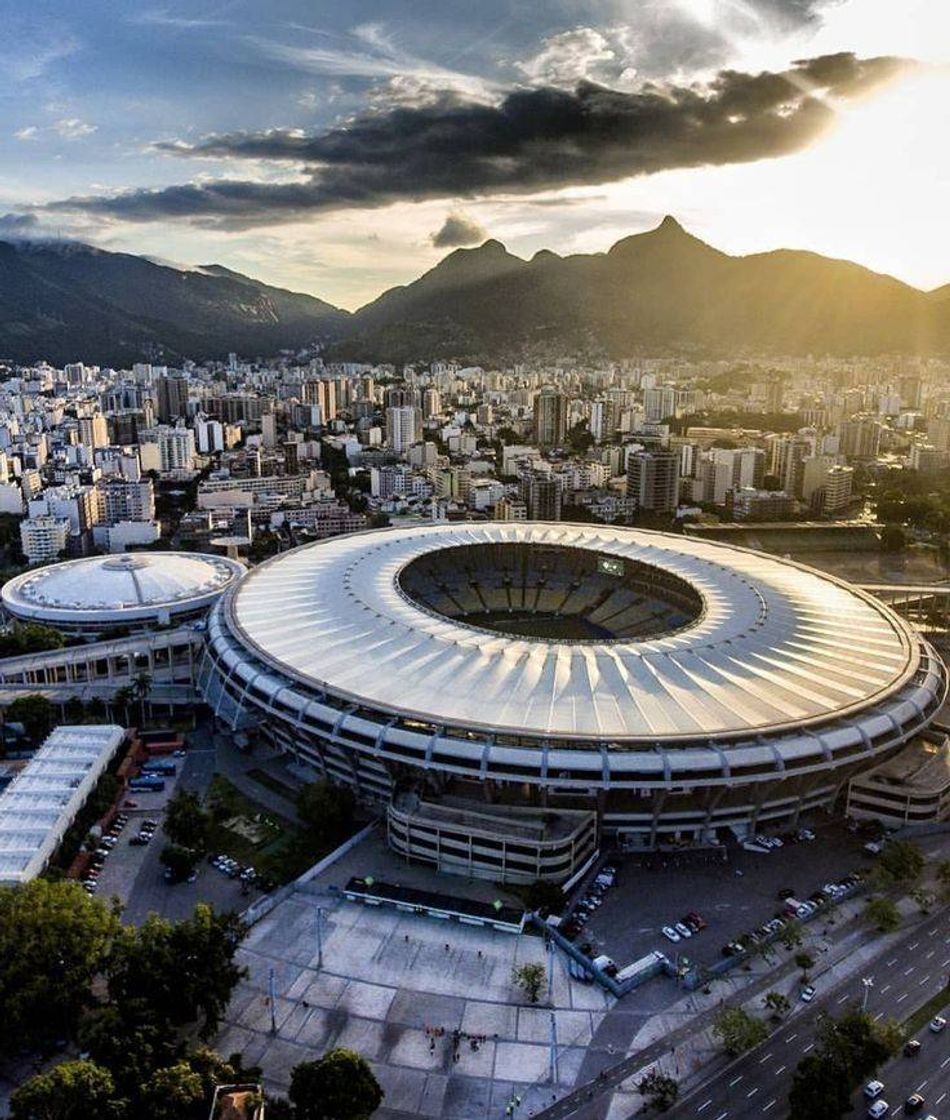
[(395, 987)]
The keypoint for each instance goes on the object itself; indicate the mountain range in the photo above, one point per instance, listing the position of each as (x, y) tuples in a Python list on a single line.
[(663, 291)]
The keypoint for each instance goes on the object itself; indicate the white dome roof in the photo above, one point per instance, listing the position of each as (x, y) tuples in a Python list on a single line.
[(133, 587)]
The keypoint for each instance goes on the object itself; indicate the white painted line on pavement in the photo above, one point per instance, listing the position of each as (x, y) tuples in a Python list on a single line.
[(781, 1069), (945, 1063), (723, 1115), (879, 1015), (927, 956), (842, 1000), (901, 998), (810, 1046), (752, 1092), (771, 1103), (886, 988), (934, 932), (705, 1104), (914, 946), (762, 1061), (892, 962), (908, 971), (940, 1098), (736, 1080), (791, 1037), (922, 1085)]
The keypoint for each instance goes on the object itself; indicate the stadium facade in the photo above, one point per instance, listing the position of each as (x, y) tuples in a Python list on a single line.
[(512, 692)]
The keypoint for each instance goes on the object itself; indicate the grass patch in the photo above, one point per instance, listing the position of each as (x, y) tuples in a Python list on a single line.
[(275, 785), (922, 1016), (257, 837)]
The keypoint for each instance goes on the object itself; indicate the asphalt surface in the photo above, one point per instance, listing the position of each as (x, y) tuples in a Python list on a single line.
[(150, 893), (905, 976)]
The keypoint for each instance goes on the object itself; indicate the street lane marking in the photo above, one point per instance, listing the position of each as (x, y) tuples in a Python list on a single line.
[(705, 1104), (762, 1061), (752, 1092), (781, 1069), (944, 1063), (879, 1015), (922, 1085), (766, 1107), (791, 1037), (914, 946), (810, 1046), (736, 1080), (940, 1098), (927, 956), (886, 988), (842, 1000), (909, 971), (892, 962), (903, 997), (722, 1115)]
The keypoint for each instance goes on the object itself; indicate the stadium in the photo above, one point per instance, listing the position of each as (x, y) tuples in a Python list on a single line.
[(511, 693)]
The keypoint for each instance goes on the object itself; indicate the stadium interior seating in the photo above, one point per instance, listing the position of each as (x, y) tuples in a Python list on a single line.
[(548, 592)]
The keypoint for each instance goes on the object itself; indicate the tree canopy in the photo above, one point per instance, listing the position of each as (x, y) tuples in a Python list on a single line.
[(54, 939), (186, 823), (738, 1031), (339, 1086), (69, 1091)]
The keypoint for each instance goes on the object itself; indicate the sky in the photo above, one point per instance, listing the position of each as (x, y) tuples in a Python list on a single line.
[(342, 148)]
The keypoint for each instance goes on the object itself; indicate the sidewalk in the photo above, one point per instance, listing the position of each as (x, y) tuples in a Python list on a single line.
[(689, 1052)]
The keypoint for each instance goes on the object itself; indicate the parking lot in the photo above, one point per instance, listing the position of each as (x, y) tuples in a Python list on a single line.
[(732, 897), (133, 872)]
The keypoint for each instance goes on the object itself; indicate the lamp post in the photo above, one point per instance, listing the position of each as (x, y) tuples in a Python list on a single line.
[(319, 937), (868, 982)]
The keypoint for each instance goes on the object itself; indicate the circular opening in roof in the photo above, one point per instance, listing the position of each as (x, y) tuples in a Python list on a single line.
[(126, 564), (551, 592)]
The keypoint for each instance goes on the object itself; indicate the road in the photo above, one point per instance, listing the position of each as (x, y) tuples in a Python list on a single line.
[(758, 1084), (927, 1074)]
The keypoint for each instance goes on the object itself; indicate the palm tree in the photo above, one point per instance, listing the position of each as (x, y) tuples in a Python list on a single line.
[(122, 699), (140, 688)]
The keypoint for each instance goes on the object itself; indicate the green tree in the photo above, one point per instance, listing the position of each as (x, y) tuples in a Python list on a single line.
[(131, 1050), (791, 936), (122, 700), (186, 822), (140, 689), (175, 1092), (901, 862), (339, 1086), (54, 939), (882, 913), (738, 1031), (29, 637), (326, 811), (659, 1090), (178, 973), (530, 979), (804, 961), (820, 1089), (179, 861), (36, 714), (69, 1091), (777, 1003)]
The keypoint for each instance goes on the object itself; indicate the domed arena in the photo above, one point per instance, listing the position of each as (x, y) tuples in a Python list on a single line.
[(135, 590), (511, 692)]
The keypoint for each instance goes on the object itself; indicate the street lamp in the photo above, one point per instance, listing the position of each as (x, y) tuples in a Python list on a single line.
[(868, 982), (319, 937)]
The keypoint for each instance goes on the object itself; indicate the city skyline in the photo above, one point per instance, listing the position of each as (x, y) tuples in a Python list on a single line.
[(341, 153)]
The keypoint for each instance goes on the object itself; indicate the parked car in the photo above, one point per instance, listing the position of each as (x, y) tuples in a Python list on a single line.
[(670, 934), (873, 1089), (682, 929), (912, 1048), (879, 1108), (937, 1023), (914, 1103), (807, 994)]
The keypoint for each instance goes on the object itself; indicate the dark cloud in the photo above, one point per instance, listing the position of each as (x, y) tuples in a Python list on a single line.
[(458, 230), (534, 139)]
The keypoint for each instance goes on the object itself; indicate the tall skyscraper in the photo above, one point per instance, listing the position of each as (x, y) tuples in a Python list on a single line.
[(653, 479), (403, 427), (550, 418)]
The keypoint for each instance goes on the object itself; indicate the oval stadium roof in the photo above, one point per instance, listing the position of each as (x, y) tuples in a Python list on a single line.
[(776, 645)]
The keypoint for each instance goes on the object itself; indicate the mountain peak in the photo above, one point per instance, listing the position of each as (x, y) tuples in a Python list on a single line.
[(670, 225)]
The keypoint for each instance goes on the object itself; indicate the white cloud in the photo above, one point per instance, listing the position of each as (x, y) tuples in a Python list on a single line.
[(72, 128), (30, 132)]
